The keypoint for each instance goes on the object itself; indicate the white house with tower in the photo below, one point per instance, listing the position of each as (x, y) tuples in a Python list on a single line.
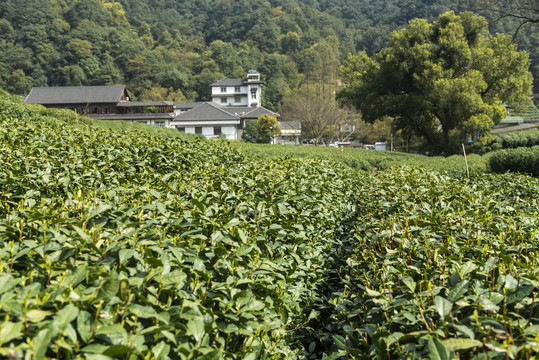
[(234, 103), (238, 92)]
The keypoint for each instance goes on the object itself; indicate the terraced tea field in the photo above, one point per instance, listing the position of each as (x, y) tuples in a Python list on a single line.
[(125, 244)]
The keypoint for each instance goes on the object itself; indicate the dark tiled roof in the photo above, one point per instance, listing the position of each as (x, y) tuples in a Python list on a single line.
[(290, 125), (75, 94), (206, 111), (247, 112), (229, 82), (188, 105), (132, 117), (144, 103), (257, 112), (238, 110)]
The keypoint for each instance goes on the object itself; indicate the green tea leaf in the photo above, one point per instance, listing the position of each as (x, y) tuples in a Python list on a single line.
[(36, 315), (196, 328), (442, 306), (109, 288), (467, 268), (241, 235), (460, 344), (161, 350), (144, 312), (77, 276), (458, 291), (125, 254), (66, 315), (372, 293), (409, 282), (437, 351), (40, 343), (81, 233), (465, 330), (174, 277), (339, 341), (91, 356), (116, 350), (519, 294), (10, 331), (7, 282), (84, 325)]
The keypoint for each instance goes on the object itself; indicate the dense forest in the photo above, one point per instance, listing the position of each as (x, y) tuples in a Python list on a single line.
[(173, 49)]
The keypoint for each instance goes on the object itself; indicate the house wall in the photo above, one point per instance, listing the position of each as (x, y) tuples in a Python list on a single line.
[(230, 94), (229, 131), (254, 102), (207, 131), (162, 123)]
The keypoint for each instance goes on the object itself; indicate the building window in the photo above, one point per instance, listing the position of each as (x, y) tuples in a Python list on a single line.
[(237, 89), (253, 94), (198, 130), (159, 123), (180, 129), (216, 130), (237, 99), (223, 100), (223, 89)]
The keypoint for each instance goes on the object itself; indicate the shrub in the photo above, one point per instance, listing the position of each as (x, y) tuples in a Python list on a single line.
[(523, 160), (69, 116), (13, 107)]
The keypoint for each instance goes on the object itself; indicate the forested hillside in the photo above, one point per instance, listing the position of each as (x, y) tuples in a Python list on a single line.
[(171, 49)]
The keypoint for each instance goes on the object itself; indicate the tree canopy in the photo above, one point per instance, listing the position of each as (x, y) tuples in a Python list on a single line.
[(268, 127), (178, 48), (445, 81), (261, 130)]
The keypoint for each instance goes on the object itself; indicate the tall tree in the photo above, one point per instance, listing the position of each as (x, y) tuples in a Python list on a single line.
[(313, 103), (268, 127), (445, 81), (318, 112)]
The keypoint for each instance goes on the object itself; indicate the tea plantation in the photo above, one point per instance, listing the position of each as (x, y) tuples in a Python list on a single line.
[(130, 245)]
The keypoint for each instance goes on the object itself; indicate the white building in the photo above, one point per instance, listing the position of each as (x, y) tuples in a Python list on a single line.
[(234, 103), (212, 120), (238, 92)]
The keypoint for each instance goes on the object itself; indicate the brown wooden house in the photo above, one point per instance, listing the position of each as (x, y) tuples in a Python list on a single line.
[(103, 103)]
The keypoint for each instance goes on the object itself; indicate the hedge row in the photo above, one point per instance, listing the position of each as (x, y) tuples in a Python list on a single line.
[(525, 138), (523, 160)]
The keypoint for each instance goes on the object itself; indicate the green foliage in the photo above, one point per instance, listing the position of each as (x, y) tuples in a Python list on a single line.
[(524, 138), (268, 127), (436, 80), (421, 271), (522, 160), (92, 42), (117, 244), (370, 159), (121, 245), (250, 133)]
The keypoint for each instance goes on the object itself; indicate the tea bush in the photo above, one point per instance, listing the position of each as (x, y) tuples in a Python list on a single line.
[(523, 160), (133, 245), (370, 159), (127, 244), (524, 138), (433, 267)]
